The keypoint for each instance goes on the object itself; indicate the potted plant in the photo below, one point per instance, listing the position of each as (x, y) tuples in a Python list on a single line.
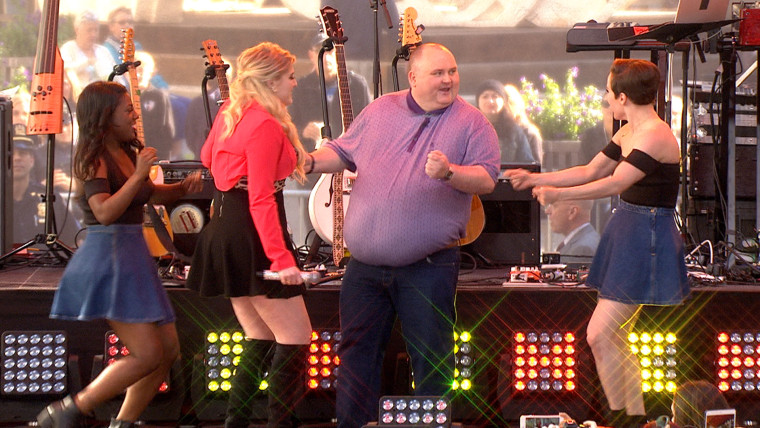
[(561, 113)]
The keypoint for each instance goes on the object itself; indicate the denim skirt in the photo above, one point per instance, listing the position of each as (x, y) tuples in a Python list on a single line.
[(112, 276), (640, 258)]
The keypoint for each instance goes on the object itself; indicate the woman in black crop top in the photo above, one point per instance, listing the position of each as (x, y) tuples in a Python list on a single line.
[(112, 276), (640, 258)]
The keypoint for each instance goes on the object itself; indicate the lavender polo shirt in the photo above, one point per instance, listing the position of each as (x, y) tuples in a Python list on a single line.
[(396, 214)]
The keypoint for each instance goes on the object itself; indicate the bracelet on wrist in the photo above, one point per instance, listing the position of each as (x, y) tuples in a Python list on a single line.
[(311, 166)]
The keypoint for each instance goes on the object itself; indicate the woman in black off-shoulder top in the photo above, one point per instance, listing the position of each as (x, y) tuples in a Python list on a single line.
[(640, 258), (112, 275)]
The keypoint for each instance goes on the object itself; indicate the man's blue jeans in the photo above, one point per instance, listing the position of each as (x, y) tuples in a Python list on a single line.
[(422, 296)]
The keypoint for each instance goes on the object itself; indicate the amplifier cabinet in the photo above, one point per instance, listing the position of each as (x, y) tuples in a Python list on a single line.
[(511, 235), (702, 171)]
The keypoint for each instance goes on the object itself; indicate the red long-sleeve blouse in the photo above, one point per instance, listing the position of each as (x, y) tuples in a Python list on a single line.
[(259, 149)]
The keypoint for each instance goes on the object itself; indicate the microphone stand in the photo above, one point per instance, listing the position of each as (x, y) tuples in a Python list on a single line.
[(327, 45), (402, 52), (376, 83)]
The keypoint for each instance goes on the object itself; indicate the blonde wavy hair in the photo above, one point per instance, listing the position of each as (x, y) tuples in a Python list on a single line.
[(256, 67)]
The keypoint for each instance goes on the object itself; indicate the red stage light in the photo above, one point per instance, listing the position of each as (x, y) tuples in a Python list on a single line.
[(722, 337), (519, 337)]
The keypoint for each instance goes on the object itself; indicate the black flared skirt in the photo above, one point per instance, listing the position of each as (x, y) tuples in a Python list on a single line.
[(229, 254)]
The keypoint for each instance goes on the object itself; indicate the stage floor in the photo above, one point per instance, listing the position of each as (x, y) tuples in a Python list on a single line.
[(489, 310)]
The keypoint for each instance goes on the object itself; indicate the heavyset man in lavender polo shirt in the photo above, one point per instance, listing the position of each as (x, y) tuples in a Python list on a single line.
[(419, 155)]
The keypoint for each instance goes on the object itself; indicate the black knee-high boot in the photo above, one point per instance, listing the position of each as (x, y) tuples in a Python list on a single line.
[(254, 361), (286, 384)]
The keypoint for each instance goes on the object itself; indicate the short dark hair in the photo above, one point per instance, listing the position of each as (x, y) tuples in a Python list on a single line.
[(636, 78)]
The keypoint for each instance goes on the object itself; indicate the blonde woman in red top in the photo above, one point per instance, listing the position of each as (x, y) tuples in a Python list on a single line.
[(251, 149)]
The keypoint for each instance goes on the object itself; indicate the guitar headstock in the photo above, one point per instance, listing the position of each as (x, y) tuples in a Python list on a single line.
[(331, 25), (212, 54), (408, 33), (128, 45)]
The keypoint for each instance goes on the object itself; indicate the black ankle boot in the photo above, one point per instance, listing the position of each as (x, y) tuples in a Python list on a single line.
[(286, 384), (253, 364), (61, 414), (116, 423)]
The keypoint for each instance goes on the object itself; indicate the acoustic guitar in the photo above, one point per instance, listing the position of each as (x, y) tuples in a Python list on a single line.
[(329, 199), (155, 247)]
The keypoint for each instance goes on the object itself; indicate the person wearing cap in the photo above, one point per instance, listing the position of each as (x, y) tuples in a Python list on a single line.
[(307, 110), (84, 60), (491, 100), (28, 206)]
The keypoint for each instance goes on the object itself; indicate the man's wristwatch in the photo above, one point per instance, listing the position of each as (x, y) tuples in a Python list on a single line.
[(449, 174)]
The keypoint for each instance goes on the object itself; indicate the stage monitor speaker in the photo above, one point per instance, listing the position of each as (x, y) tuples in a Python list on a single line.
[(6, 175), (702, 171), (189, 214), (512, 230)]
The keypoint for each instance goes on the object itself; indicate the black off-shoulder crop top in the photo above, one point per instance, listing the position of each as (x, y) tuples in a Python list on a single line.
[(116, 179), (658, 188)]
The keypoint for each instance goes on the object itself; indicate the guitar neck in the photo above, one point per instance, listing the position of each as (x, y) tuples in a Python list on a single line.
[(221, 78), (134, 91), (347, 112)]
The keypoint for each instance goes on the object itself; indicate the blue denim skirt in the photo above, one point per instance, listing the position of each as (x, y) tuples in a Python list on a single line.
[(640, 258), (112, 276)]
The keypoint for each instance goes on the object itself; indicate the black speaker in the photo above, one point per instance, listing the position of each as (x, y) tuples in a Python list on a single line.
[(702, 171), (6, 175), (511, 235)]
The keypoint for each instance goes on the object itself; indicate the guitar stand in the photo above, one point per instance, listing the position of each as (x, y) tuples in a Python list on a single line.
[(50, 238)]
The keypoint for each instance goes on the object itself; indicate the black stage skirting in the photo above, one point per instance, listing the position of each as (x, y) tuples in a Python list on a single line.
[(485, 308)]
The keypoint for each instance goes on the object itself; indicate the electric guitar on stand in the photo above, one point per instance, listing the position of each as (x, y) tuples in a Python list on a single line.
[(329, 199), (150, 233), (214, 59)]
